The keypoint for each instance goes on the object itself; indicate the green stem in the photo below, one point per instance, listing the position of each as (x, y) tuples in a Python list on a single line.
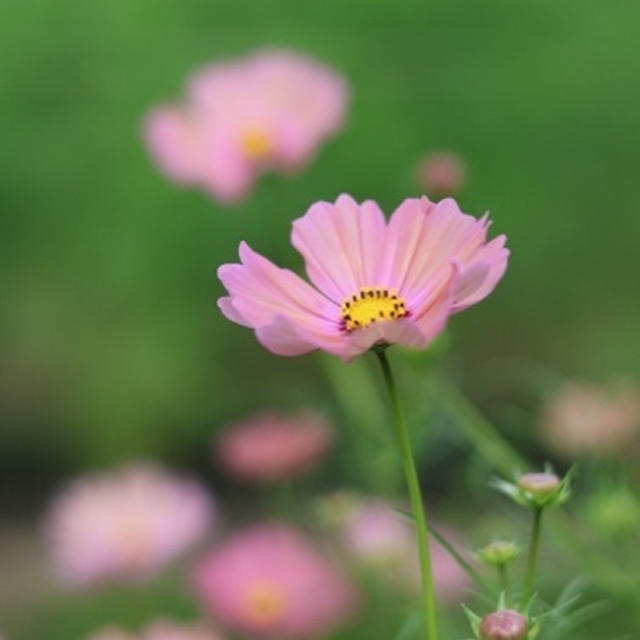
[(417, 505), (464, 565), (503, 578), (532, 559)]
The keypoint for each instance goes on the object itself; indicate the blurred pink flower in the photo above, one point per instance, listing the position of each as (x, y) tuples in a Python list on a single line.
[(168, 630), (273, 446), (270, 581), (111, 633), (124, 524), (442, 173), (159, 630), (586, 419), (377, 535), (377, 282), (269, 110)]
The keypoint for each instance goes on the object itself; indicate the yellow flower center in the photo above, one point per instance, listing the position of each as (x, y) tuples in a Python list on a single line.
[(369, 305), (256, 144), (265, 602)]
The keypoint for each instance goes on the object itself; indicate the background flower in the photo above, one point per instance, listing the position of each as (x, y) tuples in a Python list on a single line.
[(270, 581), (441, 173), (169, 630), (269, 110), (274, 446), (584, 419), (111, 633), (127, 523), (378, 535)]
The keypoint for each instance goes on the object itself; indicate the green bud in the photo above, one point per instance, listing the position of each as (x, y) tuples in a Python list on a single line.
[(536, 490), (498, 553)]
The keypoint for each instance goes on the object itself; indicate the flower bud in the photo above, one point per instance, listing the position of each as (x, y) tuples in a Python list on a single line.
[(539, 485), (499, 553), (505, 624)]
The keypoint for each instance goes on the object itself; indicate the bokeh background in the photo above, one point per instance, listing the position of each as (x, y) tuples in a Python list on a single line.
[(112, 347)]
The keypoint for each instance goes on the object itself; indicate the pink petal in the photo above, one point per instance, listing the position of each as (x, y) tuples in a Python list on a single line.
[(174, 142), (281, 338), (480, 275), (422, 241), (341, 245), (230, 312), (404, 332), (289, 316)]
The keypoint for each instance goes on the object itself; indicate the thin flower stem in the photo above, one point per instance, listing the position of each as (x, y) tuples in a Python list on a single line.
[(503, 577), (464, 565), (417, 504), (532, 559)]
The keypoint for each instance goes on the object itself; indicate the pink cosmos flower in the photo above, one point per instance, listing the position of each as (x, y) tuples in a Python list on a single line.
[(273, 446), (586, 419), (442, 173), (124, 524), (376, 281), (267, 111), (269, 581), (379, 536)]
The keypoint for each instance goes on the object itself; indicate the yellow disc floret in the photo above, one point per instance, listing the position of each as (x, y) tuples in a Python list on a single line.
[(265, 602), (369, 305), (256, 144)]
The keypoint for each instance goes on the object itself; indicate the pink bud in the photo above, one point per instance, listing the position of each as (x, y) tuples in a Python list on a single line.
[(505, 624), (539, 484)]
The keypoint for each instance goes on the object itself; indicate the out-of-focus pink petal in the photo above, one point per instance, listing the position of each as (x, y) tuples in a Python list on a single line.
[(273, 446), (175, 143), (341, 244)]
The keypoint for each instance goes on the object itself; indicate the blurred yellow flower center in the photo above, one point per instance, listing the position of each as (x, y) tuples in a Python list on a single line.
[(265, 602), (369, 305), (135, 543), (256, 144)]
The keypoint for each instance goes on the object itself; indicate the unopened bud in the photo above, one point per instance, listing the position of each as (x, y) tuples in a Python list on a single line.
[(539, 485), (505, 624), (499, 553)]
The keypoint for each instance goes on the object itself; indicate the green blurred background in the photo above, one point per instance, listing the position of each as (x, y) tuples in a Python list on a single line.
[(111, 344)]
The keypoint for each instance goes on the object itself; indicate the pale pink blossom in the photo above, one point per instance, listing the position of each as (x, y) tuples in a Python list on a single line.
[(376, 282), (162, 629), (270, 581), (124, 524), (269, 110), (169, 630), (378, 535), (585, 419), (442, 173), (111, 633), (274, 446)]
